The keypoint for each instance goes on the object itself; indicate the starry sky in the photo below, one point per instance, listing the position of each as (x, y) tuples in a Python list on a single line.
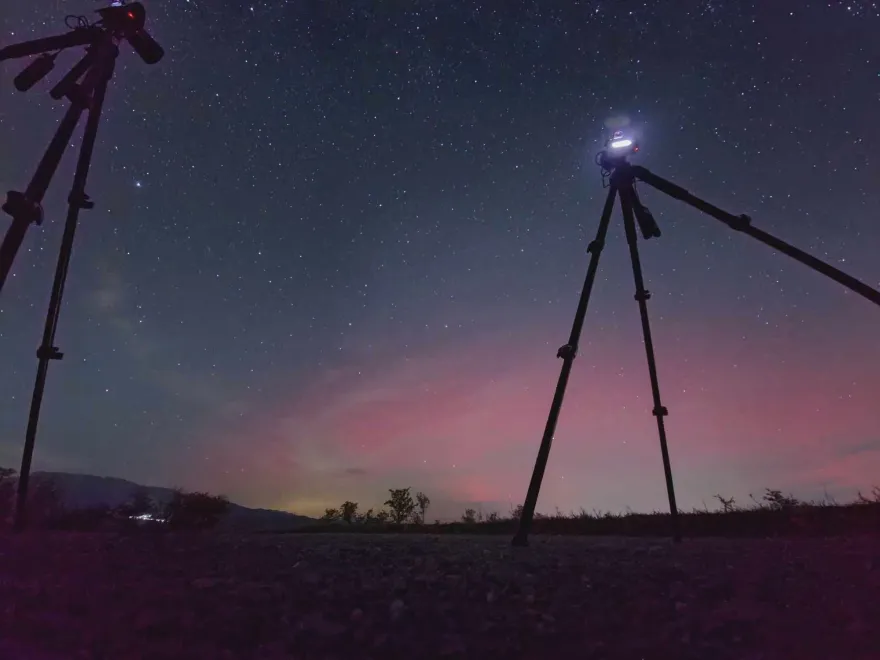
[(337, 244)]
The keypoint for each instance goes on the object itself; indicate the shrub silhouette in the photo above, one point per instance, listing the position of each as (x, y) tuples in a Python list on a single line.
[(365, 518), (44, 503), (776, 501), (349, 511), (727, 504)]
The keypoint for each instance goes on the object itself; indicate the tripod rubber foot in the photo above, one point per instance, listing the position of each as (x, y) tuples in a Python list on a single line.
[(520, 541)]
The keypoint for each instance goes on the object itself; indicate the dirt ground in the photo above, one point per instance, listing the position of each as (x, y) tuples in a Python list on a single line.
[(193, 596)]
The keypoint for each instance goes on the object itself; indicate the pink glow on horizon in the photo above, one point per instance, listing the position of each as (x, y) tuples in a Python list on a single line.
[(465, 425)]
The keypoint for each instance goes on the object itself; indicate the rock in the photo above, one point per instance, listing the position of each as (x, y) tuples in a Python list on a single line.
[(330, 628), (396, 609), (453, 579), (204, 583), (147, 620), (452, 645), (317, 623)]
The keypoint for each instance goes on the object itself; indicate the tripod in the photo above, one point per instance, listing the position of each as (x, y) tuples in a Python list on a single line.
[(95, 69), (623, 176)]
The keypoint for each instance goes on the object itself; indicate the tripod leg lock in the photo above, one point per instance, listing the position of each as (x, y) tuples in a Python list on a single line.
[(644, 294), (595, 247), (80, 200), (740, 223), (567, 352), (23, 209), (660, 411), (49, 353)]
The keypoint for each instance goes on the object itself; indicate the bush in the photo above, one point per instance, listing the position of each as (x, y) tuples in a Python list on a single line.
[(195, 510)]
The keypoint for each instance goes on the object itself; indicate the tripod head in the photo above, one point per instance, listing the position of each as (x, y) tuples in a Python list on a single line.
[(85, 86), (118, 22), (617, 148), (614, 165)]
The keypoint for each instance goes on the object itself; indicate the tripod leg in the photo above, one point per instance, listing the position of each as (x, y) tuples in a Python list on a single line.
[(25, 207), (78, 37), (743, 223), (47, 351), (567, 353), (642, 296)]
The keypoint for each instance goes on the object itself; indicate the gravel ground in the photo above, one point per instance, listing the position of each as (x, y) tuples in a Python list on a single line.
[(91, 596)]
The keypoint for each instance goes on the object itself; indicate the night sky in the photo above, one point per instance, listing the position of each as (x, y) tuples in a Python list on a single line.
[(337, 245)]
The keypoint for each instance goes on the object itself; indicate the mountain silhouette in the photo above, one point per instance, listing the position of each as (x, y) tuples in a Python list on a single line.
[(83, 491)]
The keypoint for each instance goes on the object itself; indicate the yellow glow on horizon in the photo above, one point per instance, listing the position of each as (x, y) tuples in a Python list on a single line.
[(304, 506)]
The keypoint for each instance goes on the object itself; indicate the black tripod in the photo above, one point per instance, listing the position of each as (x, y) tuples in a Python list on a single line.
[(623, 176), (95, 69)]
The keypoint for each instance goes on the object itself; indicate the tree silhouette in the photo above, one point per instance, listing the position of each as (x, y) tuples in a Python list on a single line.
[(401, 504), (139, 504), (195, 510), (423, 502), (349, 511), (469, 516), (331, 514), (366, 517)]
